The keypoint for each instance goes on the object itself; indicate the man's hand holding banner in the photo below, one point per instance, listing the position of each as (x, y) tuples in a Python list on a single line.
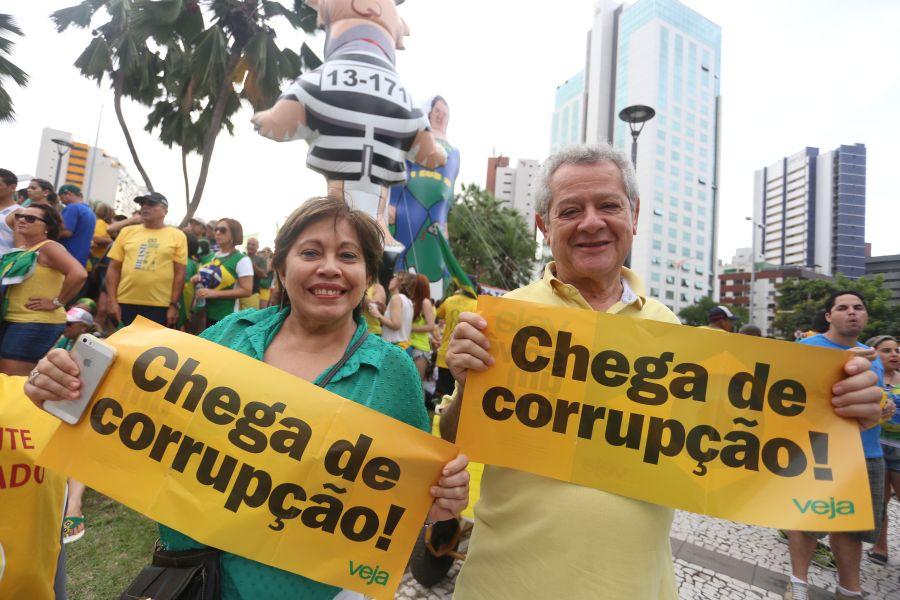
[(246, 458), (730, 426)]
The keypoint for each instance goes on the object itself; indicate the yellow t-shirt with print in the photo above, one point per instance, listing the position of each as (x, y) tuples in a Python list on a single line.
[(148, 258), (31, 497), (537, 537), (449, 311)]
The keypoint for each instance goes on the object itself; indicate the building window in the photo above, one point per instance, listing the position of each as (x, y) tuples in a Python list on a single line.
[(686, 236), (673, 201), (660, 150), (687, 221), (657, 245), (689, 146), (689, 132), (698, 270), (676, 141), (670, 295), (672, 248), (675, 155), (673, 218), (658, 212), (688, 207), (698, 286), (684, 297), (654, 292), (686, 252), (657, 229), (673, 233), (699, 254), (701, 210), (660, 134), (673, 171), (654, 260), (676, 126), (660, 166), (701, 225), (670, 279)]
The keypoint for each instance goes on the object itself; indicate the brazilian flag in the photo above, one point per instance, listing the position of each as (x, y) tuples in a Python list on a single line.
[(15, 267)]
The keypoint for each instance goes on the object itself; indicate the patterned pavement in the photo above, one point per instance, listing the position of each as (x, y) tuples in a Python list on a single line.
[(717, 559)]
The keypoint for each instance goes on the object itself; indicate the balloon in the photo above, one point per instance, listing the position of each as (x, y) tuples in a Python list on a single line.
[(354, 111), (424, 201)]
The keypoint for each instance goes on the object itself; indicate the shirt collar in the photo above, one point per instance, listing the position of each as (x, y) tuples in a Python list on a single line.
[(632, 289), (265, 326)]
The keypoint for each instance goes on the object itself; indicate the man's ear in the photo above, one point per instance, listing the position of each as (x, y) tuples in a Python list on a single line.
[(539, 221)]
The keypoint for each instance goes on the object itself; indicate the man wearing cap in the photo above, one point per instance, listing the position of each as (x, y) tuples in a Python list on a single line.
[(720, 319), (147, 265), (80, 222)]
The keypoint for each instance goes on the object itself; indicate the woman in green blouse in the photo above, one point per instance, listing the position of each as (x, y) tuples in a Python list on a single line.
[(326, 255)]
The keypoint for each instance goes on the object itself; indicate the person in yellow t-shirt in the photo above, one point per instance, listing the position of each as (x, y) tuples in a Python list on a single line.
[(147, 265), (448, 312), (34, 496), (537, 537)]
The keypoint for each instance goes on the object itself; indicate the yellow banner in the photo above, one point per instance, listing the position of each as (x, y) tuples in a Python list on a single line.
[(246, 458), (726, 425)]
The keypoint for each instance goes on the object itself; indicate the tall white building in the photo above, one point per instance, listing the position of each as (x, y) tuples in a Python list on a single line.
[(100, 176), (812, 208), (515, 186), (568, 113), (662, 54)]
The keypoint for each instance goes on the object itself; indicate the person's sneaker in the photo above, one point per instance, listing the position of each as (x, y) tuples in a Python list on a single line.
[(839, 596), (796, 591), (824, 557)]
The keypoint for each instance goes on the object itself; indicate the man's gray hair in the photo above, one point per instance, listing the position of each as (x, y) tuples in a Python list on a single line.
[(583, 154)]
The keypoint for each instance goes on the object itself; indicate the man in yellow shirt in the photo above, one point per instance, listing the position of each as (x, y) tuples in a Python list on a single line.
[(147, 264), (449, 312), (537, 537), (720, 319)]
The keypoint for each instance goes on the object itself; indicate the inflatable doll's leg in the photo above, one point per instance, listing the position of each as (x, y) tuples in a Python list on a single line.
[(372, 200), (283, 122)]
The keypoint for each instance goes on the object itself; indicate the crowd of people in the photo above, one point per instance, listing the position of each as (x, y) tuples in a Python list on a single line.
[(315, 301)]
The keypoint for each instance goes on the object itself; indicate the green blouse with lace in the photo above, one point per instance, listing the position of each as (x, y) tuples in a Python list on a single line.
[(378, 375)]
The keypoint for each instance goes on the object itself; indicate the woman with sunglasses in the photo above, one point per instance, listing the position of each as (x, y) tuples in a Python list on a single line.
[(227, 277), (33, 313)]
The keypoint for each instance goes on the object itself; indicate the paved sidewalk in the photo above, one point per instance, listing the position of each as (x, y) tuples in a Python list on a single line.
[(717, 559)]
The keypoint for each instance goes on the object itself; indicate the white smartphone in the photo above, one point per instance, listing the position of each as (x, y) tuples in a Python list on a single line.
[(93, 357)]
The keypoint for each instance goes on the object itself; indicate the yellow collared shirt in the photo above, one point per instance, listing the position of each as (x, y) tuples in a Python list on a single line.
[(537, 537)]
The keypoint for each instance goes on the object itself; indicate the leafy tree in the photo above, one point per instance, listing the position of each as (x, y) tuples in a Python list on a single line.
[(491, 239), (8, 28), (184, 58), (698, 314), (800, 299)]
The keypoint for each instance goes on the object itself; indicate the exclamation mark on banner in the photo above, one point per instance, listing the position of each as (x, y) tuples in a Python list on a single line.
[(390, 524), (819, 443)]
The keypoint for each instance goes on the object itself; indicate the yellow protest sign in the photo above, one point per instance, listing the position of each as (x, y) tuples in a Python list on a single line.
[(246, 458), (730, 426)]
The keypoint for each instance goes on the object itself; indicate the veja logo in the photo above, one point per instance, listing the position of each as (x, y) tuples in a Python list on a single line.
[(830, 507), (369, 574)]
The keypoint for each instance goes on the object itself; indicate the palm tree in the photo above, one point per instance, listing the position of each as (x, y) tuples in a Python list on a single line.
[(119, 52), (7, 68), (189, 77)]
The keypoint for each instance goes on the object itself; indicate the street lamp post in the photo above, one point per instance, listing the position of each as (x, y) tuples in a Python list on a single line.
[(636, 116), (753, 263), (62, 147)]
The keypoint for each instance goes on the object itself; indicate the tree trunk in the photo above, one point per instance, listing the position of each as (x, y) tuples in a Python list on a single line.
[(117, 103), (209, 141), (187, 187)]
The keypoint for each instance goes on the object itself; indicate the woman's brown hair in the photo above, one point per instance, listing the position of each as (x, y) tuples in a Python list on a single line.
[(371, 239), (52, 220), (236, 230), (421, 292)]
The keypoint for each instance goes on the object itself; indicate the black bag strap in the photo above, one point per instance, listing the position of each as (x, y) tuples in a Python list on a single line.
[(339, 364)]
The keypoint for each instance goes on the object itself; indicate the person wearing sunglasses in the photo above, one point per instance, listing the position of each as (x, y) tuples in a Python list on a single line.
[(227, 276), (147, 264), (48, 277)]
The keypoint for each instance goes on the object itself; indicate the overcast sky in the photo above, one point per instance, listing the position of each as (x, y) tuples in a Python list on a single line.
[(794, 74)]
